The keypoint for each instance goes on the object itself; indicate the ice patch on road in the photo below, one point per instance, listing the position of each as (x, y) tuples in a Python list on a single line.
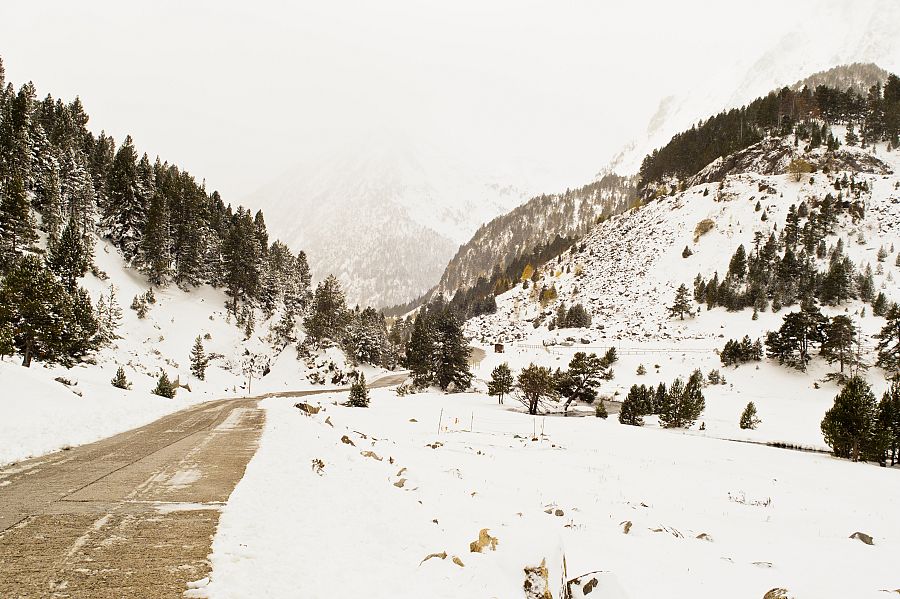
[(234, 419), (184, 478)]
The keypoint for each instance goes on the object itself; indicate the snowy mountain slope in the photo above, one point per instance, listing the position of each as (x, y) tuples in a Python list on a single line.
[(386, 216), (834, 33), (538, 221), (628, 268), (630, 265)]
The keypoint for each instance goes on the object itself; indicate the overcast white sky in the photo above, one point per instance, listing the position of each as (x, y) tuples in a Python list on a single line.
[(238, 92)]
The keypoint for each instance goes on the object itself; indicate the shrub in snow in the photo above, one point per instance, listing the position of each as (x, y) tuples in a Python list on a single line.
[(748, 417), (120, 380), (359, 394), (164, 387), (704, 226), (600, 411)]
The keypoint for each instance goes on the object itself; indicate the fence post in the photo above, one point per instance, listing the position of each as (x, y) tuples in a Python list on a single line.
[(440, 417)]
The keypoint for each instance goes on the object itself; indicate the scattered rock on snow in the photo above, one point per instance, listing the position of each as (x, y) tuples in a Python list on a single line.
[(672, 531), (861, 536), (399, 484), (458, 562), (441, 555), (347, 441), (537, 585), (307, 409), (777, 593), (370, 454), (485, 540), (704, 537), (626, 526)]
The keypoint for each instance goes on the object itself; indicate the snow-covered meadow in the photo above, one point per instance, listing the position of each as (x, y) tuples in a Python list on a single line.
[(656, 513)]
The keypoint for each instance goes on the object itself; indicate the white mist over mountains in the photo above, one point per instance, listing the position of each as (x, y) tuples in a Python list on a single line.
[(379, 136)]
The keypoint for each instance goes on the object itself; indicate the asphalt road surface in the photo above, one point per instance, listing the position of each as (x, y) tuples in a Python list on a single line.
[(132, 515)]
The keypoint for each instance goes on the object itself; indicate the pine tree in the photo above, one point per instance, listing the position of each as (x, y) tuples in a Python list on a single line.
[(7, 343), (328, 315), (120, 380), (452, 355), (164, 387), (682, 303), (67, 258), (126, 210), (501, 383), (792, 343), (838, 342), (582, 379), (359, 394), (683, 402), (109, 316), (748, 417), (578, 317), (48, 323), (848, 425), (199, 360), (880, 305), (737, 268), (887, 426), (17, 225), (156, 257), (888, 346), (633, 406), (535, 385), (419, 350)]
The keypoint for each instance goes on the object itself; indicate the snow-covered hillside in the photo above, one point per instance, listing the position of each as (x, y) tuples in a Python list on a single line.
[(628, 268), (40, 414)]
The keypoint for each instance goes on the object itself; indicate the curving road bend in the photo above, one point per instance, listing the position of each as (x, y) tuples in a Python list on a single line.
[(132, 515)]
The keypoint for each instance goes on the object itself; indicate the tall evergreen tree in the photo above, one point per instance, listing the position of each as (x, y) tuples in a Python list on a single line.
[(68, 258), (888, 346), (199, 361), (328, 316), (838, 342), (47, 322), (848, 425), (682, 303), (17, 225), (126, 210), (156, 257)]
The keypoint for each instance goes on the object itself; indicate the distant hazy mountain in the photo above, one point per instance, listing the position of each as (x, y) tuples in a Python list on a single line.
[(385, 217)]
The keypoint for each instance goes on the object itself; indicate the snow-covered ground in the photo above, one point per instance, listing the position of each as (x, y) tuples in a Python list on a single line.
[(704, 517)]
